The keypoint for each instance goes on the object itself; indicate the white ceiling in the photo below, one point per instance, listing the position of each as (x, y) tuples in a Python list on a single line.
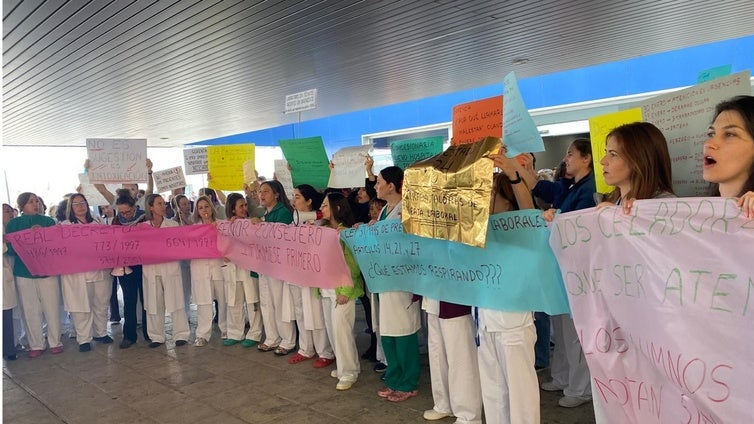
[(177, 72)]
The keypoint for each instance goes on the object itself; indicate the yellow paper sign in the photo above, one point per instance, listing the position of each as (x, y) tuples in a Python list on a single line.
[(249, 174), (447, 196), (226, 165), (599, 127)]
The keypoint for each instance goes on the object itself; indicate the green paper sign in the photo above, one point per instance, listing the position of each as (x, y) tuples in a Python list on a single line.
[(308, 161), (406, 152)]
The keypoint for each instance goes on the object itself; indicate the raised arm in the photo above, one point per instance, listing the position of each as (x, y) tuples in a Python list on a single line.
[(109, 196), (513, 171), (150, 180)]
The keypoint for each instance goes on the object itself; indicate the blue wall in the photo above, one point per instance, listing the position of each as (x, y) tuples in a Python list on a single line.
[(634, 76)]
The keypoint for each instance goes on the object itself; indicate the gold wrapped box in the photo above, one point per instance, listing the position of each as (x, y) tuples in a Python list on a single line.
[(447, 196)]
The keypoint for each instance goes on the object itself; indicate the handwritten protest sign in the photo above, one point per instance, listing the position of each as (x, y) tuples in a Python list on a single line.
[(305, 255), (249, 172), (67, 249), (599, 128), (226, 165), (664, 310), (381, 161), (515, 272), (195, 160), (308, 161), (683, 117), (283, 175), (93, 196), (448, 196), (520, 133), (406, 152), (117, 160), (477, 120), (169, 179), (348, 170)]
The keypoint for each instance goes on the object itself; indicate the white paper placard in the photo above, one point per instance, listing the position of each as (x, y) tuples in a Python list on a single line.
[(195, 160), (283, 175), (348, 170), (117, 160), (169, 179)]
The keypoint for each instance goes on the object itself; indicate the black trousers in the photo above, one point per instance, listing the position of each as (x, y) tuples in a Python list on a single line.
[(9, 344), (114, 307), (133, 291)]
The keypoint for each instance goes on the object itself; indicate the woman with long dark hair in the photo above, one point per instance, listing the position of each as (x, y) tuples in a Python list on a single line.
[(569, 369), (241, 289), (310, 319), (399, 314), (339, 304), (279, 332), (729, 152)]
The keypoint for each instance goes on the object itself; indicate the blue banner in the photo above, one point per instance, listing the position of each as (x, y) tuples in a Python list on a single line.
[(515, 272)]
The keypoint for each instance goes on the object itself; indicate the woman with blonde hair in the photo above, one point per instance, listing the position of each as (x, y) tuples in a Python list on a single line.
[(207, 282), (163, 291)]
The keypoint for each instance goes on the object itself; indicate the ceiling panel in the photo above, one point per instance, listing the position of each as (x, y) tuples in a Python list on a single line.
[(176, 72)]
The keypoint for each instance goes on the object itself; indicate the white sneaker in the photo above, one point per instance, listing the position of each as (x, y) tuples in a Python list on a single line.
[(573, 401), (334, 373), (344, 384), (550, 386), (433, 415), (201, 341)]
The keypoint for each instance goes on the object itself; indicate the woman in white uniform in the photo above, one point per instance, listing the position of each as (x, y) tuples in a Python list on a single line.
[(163, 289), (399, 313), (9, 294), (279, 332), (39, 295), (241, 289), (86, 295), (207, 282), (310, 319), (339, 304), (510, 391)]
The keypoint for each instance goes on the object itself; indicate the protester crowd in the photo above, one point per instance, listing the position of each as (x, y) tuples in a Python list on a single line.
[(480, 359)]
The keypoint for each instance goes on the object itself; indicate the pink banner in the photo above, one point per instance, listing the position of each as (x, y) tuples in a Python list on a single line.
[(662, 301), (67, 249), (305, 255)]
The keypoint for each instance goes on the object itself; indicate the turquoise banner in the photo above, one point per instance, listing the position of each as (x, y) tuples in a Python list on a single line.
[(406, 152), (516, 271)]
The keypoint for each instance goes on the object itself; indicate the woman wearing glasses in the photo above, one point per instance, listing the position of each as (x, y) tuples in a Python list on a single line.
[(86, 295), (130, 278)]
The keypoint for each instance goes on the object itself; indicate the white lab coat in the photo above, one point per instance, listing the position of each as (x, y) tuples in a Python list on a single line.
[(9, 283), (171, 280)]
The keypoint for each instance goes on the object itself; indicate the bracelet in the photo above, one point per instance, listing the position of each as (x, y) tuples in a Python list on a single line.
[(150, 172), (517, 180)]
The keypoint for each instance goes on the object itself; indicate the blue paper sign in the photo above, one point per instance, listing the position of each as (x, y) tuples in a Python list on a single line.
[(516, 271), (520, 133)]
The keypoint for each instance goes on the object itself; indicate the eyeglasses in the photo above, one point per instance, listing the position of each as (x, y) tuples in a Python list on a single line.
[(78, 203)]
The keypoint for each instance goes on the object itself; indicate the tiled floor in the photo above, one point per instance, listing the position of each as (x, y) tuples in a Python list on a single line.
[(210, 384)]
